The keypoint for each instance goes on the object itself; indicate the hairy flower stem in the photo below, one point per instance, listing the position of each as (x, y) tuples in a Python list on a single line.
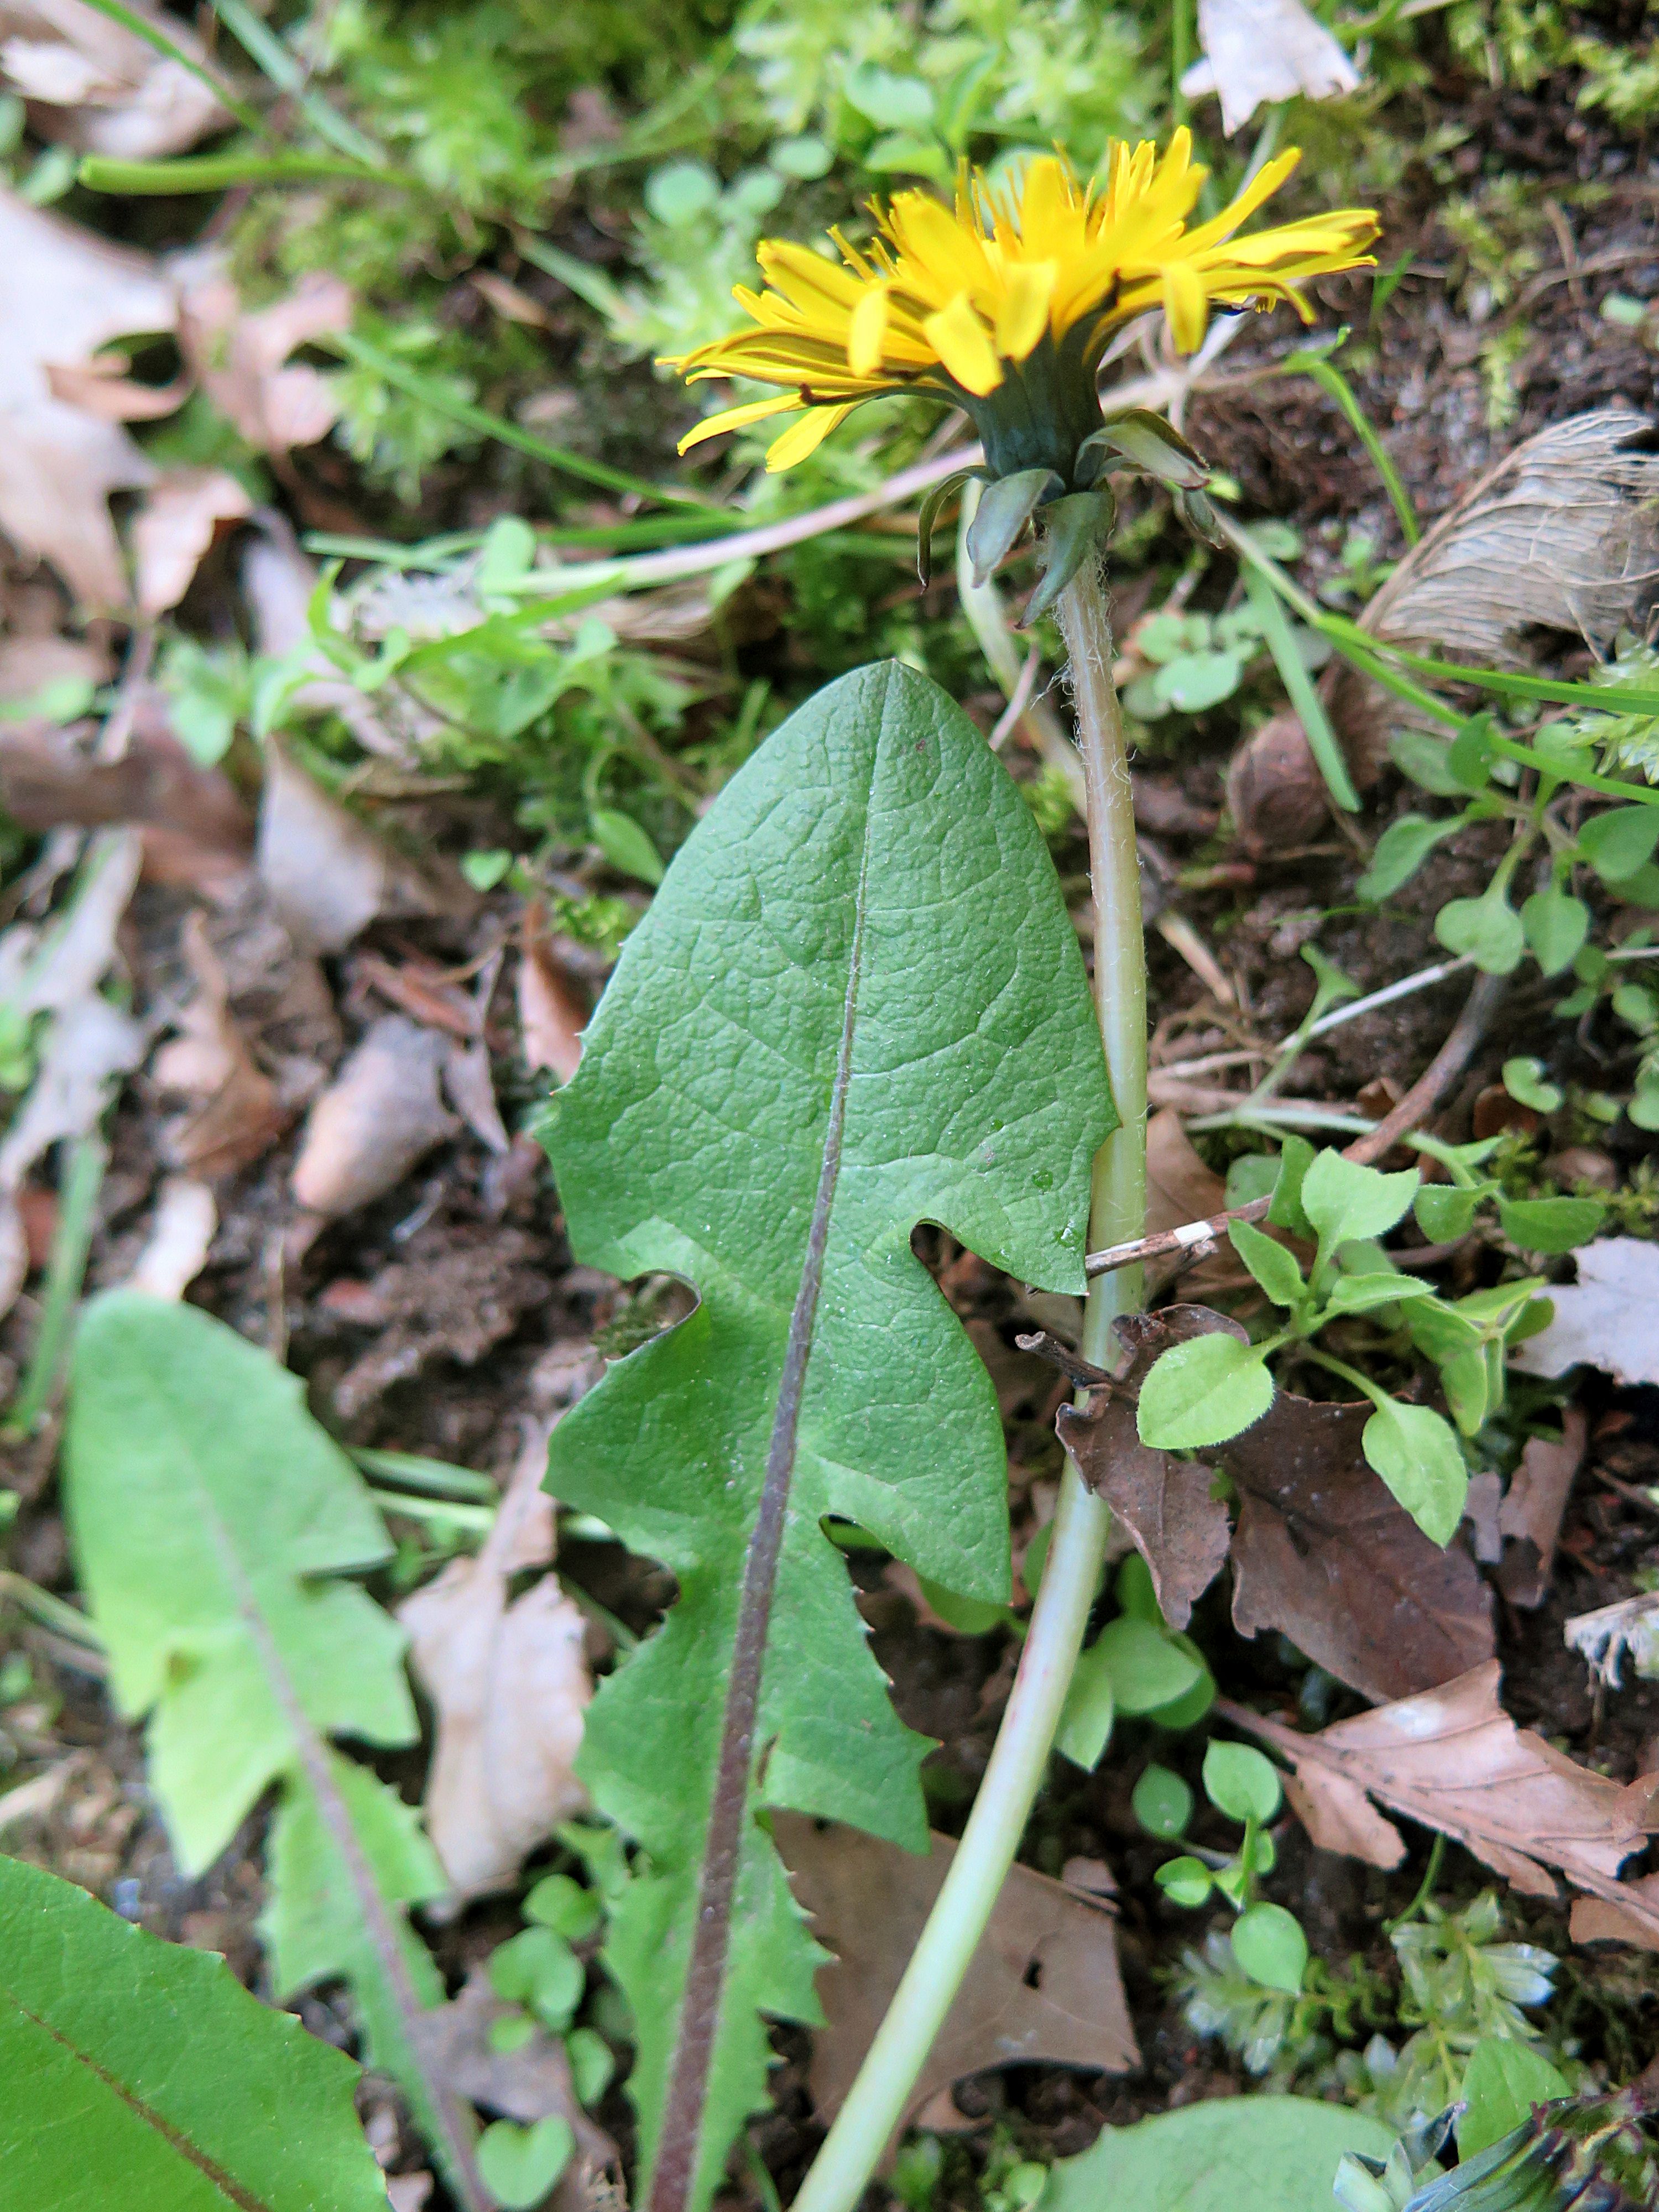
[(1020, 1759)]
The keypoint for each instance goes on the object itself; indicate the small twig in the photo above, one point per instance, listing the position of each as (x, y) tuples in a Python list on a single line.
[(1019, 700), (1354, 1007), (1448, 1064), (1083, 1372), (1198, 1239)]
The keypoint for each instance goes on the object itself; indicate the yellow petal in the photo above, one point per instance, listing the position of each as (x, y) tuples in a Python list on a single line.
[(1023, 317), (804, 437), (1185, 307), (959, 338), (1262, 186), (737, 418), (866, 330)]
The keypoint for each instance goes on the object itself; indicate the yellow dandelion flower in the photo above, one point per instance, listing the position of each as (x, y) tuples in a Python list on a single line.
[(1004, 304)]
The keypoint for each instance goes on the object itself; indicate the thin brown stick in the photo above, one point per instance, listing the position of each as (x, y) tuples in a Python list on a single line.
[(1197, 1240)]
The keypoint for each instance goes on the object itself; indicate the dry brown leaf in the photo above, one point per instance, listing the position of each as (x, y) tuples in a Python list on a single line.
[(552, 1011), (55, 971), (328, 875), (1608, 1319), (183, 512), (1164, 1501), (408, 2192), (470, 1088), (102, 386), (196, 834), (1530, 1515), (235, 1113), (1453, 1760), (510, 1685), (382, 1113), (67, 292), (94, 85), (28, 664), (1324, 1552), (1265, 51), (1561, 535), (180, 1237), (1043, 1987), (241, 358)]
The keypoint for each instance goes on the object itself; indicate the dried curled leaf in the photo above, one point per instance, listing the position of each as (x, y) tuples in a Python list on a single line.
[(510, 1685), (1563, 534), (1453, 1760)]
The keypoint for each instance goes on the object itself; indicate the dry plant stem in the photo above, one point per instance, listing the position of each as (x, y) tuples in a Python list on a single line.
[(877, 2101)]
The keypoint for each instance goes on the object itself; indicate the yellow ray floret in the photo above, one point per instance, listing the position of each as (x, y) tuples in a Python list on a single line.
[(952, 301)]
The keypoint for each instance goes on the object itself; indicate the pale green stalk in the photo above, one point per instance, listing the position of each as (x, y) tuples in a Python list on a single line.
[(876, 2102)]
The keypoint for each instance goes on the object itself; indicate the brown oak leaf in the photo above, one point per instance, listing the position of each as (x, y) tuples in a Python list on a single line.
[(1323, 1552), (1453, 1760), (1044, 1984)]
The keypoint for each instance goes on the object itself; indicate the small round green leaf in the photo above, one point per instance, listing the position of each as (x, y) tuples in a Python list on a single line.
[(1400, 852), (1087, 1716), (1241, 1783), (1525, 1081), (1145, 1665), (1418, 1456), (1202, 1392), (1269, 1945), (681, 192), (519, 2164), (1162, 1803), (1184, 1880), (1344, 1200), (592, 2062), (562, 1905), (1550, 1224), (1198, 680), (1555, 924), (1616, 844), (1444, 1211), (1487, 928)]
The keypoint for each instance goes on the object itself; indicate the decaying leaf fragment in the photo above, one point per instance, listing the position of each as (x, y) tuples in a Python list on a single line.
[(383, 1112), (1257, 51), (1608, 1319), (1323, 1552), (235, 1113), (510, 1685), (1044, 1985), (1563, 534), (94, 84), (1163, 1500), (1453, 1760), (1530, 1515), (328, 875), (86, 1042), (67, 292)]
